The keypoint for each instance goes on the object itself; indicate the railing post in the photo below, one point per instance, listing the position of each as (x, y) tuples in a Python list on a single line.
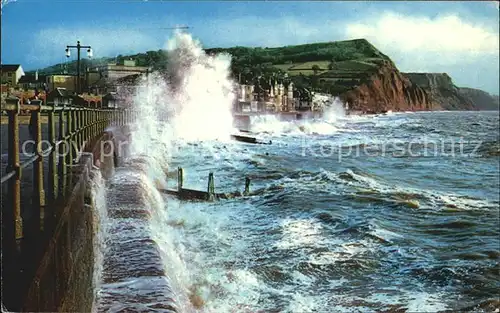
[(74, 134), (69, 138), (13, 216), (82, 128), (53, 184), (100, 119), (63, 143), (87, 124), (79, 135), (103, 120), (92, 122), (76, 131), (38, 193), (96, 122)]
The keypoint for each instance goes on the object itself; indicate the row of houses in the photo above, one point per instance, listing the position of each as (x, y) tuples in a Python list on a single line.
[(98, 84)]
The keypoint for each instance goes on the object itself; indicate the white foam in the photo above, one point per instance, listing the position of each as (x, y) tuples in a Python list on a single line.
[(300, 233), (202, 95), (326, 125), (100, 229)]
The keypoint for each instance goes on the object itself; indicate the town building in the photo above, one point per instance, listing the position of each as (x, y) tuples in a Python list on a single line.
[(112, 72), (62, 96), (278, 98), (67, 82), (11, 73), (33, 81), (117, 78)]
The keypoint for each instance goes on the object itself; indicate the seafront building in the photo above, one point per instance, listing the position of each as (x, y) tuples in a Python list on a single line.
[(100, 85), (277, 99)]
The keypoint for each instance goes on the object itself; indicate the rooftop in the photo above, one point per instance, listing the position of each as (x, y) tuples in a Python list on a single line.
[(9, 67), (30, 78)]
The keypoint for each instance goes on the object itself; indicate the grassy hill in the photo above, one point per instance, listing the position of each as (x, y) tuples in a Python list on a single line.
[(332, 67)]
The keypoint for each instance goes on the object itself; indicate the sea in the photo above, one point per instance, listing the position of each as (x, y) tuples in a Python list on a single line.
[(396, 212)]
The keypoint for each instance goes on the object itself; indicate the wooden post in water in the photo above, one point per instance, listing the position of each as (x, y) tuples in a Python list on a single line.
[(211, 186), (180, 179), (13, 215), (247, 186), (38, 193)]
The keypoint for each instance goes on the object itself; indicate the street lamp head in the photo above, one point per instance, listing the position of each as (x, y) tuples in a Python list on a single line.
[(68, 53), (90, 53)]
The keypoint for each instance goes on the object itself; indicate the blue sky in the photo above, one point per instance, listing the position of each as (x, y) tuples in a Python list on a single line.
[(460, 38)]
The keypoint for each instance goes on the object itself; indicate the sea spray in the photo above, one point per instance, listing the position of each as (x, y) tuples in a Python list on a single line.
[(334, 109), (202, 93), (100, 222), (191, 102), (333, 114)]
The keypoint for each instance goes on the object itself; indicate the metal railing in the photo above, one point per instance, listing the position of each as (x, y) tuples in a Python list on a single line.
[(78, 128)]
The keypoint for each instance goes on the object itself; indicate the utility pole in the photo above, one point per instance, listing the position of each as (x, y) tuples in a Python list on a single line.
[(68, 54)]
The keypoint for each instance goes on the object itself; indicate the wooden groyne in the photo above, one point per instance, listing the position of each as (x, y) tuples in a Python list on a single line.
[(250, 139), (208, 195)]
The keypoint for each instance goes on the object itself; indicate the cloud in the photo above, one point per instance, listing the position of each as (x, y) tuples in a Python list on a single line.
[(467, 51), (444, 34)]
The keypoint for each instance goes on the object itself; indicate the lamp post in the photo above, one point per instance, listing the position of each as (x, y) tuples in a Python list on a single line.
[(89, 55)]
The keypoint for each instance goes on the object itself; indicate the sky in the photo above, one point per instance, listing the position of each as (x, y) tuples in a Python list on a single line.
[(458, 38)]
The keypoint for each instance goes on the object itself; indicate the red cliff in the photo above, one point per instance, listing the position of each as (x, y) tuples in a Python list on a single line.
[(388, 89)]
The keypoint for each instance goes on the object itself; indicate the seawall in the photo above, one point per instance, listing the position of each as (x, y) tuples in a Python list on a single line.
[(64, 278)]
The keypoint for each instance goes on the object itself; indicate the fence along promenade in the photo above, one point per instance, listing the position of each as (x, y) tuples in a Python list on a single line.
[(79, 128)]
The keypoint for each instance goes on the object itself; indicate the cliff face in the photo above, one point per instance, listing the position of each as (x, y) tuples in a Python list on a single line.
[(481, 99), (442, 91), (388, 89)]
